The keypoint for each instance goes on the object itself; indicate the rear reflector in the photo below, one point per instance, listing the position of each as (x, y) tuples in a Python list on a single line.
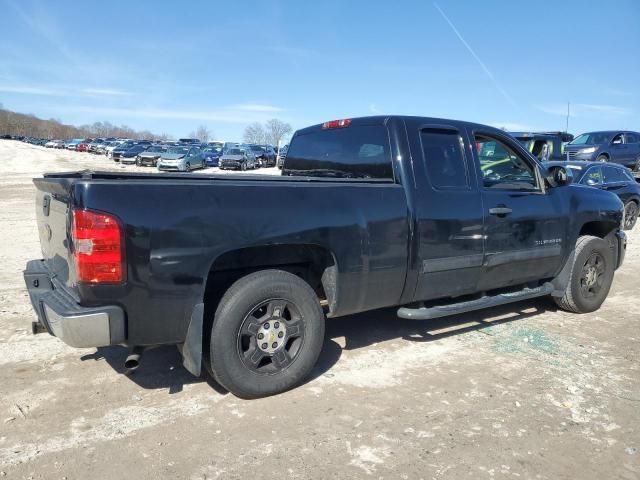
[(98, 249), (345, 122)]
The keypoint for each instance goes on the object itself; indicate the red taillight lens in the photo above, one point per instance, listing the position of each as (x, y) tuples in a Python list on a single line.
[(345, 122), (97, 247)]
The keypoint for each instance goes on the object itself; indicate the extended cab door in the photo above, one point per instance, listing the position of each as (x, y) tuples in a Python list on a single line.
[(525, 224), (448, 213)]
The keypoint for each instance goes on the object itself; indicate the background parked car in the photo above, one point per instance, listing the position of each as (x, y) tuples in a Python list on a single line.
[(212, 154), (621, 147), (545, 146), (119, 150), (281, 155), (611, 177), (265, 155), (130, 155), (237, 159), (83, 146), (183, 158), (73, 144), (150, 156)]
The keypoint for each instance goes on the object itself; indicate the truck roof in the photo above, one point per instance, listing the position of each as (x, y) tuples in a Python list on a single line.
[(383, 119)]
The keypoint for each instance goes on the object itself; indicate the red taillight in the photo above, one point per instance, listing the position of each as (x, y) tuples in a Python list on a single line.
[(345, 122), (97, 247)]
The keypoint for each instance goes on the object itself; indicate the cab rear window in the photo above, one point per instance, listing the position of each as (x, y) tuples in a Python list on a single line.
[(353, 152)]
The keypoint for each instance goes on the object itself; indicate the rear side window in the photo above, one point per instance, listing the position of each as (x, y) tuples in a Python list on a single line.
[(444, 158), (631, 138), (613, 175), (351, 152)]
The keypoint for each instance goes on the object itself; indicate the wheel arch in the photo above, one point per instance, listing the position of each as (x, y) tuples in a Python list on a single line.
[(317, 265)]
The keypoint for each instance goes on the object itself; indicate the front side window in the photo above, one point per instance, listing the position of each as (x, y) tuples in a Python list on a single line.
[(502, 167), (443, 155), (592, 177), (617, 140)]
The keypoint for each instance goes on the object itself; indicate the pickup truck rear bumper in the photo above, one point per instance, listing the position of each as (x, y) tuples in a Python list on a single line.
[(61, 314)]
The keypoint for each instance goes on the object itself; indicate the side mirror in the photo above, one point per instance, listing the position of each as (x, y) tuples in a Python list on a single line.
[(558, 176)]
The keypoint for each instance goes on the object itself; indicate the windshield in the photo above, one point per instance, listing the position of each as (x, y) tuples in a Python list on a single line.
[(256, 148), (595, 138), (155, 149), (178, 150), (212, 149), (234, 151)]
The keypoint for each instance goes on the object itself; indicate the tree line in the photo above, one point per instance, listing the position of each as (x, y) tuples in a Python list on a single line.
[(28, 125), (272, 132)]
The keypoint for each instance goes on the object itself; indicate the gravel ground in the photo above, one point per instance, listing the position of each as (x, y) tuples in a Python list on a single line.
[(523, 391)]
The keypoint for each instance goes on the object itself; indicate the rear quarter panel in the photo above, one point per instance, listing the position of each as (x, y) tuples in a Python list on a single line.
[(175, 230)]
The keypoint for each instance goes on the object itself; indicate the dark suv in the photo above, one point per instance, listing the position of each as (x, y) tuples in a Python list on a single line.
[(610, 146), (545, 146)]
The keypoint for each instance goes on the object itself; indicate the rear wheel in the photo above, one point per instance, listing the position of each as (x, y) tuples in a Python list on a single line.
[(602, 158), (267, 334), (591, 276), (630, 215)]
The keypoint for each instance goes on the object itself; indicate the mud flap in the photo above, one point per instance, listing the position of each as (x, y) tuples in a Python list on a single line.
[(192, 347), (562, 279)]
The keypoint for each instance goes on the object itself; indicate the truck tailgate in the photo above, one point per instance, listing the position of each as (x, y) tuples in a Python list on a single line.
[(52, 213)]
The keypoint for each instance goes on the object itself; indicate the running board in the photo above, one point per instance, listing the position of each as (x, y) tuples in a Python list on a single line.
[(471, 305)]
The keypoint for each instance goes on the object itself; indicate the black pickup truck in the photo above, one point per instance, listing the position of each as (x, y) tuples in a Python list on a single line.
[(434, 216)]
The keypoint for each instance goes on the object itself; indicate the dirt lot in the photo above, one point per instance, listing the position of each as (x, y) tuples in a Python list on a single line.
[(524, 391)]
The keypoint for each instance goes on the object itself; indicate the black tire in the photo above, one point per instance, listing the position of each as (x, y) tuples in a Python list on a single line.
[(243, 166), (580, 296), (630, 215), (187, 167), (236, 360), (602, 158)]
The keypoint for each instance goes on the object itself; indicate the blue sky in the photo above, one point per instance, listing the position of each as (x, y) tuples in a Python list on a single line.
[(169, 67)]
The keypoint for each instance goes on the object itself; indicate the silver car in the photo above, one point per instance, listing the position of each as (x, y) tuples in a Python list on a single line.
[(237, 159), (182, 158)]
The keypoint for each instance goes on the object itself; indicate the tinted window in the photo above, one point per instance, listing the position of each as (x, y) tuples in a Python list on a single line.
[(612, 175), (502, 166), (444, 158), (631, 138), (351, 152), (593, 176), (595, 138)]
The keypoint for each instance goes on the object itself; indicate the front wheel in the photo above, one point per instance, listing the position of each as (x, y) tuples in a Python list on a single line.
[(590, 278), (602, 158), (187, 167), (243, 166), (267, 334), (630, 215)]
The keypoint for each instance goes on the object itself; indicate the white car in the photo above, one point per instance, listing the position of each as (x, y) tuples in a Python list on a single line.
[(51, 144)]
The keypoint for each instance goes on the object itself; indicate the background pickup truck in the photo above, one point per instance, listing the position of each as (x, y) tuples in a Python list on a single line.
[(435, 216)]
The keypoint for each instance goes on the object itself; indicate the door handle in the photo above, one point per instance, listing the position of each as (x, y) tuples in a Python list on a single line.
[(500, 211)]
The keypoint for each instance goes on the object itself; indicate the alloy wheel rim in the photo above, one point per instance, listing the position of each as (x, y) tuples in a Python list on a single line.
[(271, 336), (630, 213), (592, 275)]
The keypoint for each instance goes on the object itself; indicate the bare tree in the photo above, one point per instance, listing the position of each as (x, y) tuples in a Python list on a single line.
[(202, 133), (254, 133), (276, 130)]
